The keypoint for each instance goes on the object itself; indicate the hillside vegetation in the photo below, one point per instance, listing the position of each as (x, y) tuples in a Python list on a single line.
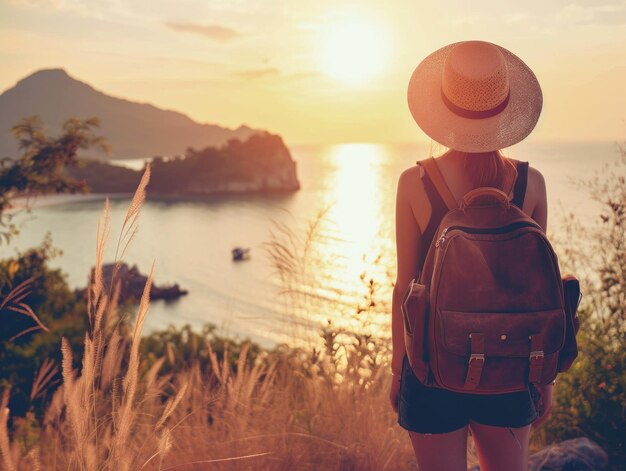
[(262, 163)]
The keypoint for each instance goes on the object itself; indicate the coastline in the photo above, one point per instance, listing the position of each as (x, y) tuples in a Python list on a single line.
[(56, 200), (21, 202)]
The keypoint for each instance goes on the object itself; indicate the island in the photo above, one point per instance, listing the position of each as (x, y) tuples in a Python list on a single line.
[(260, 164), (131, 285)]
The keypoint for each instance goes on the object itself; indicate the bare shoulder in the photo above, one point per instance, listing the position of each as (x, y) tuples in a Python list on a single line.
[(411, 176), (410, 185), (536, 184), (536, 197), (411, 190), (535, 176)]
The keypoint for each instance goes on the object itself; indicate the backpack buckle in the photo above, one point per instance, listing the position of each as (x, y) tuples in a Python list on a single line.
[(476, 360), (477, 356), (535, 358)]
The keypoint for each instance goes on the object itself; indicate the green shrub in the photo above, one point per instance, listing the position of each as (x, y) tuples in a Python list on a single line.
[(590, 399), (184, 346), (60, 310)]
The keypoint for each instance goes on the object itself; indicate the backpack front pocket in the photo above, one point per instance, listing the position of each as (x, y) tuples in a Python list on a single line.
[(493, 352)]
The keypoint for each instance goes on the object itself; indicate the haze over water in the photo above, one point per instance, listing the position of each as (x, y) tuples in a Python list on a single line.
[(191, 239)]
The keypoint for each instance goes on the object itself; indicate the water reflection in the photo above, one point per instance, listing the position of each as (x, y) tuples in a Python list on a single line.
[(355, 192), (355, 231)]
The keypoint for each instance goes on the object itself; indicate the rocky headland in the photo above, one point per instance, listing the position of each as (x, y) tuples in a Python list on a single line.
[(261, 163)]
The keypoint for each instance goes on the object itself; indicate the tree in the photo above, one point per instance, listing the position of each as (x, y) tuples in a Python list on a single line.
[(34, 297), (38, 170)]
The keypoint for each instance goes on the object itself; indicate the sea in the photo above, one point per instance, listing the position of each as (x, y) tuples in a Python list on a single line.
[(321, 256)]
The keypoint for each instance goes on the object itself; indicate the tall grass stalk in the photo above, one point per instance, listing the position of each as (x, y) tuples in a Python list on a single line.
[(318, 405)]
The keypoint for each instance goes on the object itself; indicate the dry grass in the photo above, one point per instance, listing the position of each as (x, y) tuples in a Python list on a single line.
[(315, 407), (13, 302)]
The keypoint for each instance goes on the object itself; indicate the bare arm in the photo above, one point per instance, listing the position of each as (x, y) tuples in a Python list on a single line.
[(408, 247), (537, 187)]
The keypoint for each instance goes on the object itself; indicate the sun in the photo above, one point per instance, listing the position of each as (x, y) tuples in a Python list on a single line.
[(353, 51)]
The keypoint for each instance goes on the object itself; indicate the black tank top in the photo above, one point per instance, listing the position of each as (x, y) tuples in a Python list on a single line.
[(439, 208)]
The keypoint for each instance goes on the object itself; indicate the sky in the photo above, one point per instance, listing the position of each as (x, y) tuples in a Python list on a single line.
[(320, 71)]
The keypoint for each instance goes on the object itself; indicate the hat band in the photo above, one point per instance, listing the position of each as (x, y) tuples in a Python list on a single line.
[(475, 114)]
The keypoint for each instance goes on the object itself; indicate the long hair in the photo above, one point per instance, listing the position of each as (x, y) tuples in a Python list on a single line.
[(490, 169)]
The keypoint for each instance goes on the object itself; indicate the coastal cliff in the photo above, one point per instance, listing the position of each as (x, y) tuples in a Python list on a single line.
[(261, 163)]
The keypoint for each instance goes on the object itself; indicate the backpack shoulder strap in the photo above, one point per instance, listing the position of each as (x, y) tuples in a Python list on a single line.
[(519, 191), (432, 169), (439, 210)]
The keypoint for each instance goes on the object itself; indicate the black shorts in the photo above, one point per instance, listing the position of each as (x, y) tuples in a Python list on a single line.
[(424, 409)]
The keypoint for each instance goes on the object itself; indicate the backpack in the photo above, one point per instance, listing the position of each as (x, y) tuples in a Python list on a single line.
[(489, 312)]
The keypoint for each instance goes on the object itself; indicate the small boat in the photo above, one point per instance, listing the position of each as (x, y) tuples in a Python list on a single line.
[(239, 254)]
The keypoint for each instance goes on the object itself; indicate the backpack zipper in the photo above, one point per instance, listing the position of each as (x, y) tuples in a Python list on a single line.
[(442, 238), (479, 230)]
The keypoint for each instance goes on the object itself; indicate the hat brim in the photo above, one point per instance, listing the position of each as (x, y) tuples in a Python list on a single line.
[(505, 129)]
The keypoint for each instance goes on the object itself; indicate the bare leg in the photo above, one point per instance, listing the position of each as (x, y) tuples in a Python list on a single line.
[(441, 451), (498, 449)]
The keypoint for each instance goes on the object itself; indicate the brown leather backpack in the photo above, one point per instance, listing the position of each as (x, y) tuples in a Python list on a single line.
[(490, 312)]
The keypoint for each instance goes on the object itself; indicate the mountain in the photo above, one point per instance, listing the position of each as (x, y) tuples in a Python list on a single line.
[(133, 130)]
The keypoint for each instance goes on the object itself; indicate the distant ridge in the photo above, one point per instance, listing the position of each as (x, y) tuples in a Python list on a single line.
[(134, 130)]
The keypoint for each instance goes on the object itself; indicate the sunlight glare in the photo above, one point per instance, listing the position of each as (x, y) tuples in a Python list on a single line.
[(356, 198), (358, 215), (354, 50)]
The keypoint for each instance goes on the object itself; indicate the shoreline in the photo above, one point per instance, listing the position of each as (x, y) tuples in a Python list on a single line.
[(21, 202)]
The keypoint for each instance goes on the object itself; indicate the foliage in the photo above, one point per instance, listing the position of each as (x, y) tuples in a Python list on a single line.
[(590, 399), (24, 347), (260, 157), (183, 346), (261, 154), (104, 177), (39, 170)]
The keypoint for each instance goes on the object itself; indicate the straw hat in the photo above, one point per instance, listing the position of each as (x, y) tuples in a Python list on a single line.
[(475, 96)]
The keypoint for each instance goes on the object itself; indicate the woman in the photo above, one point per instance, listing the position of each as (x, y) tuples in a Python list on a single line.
[(475, 98)]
